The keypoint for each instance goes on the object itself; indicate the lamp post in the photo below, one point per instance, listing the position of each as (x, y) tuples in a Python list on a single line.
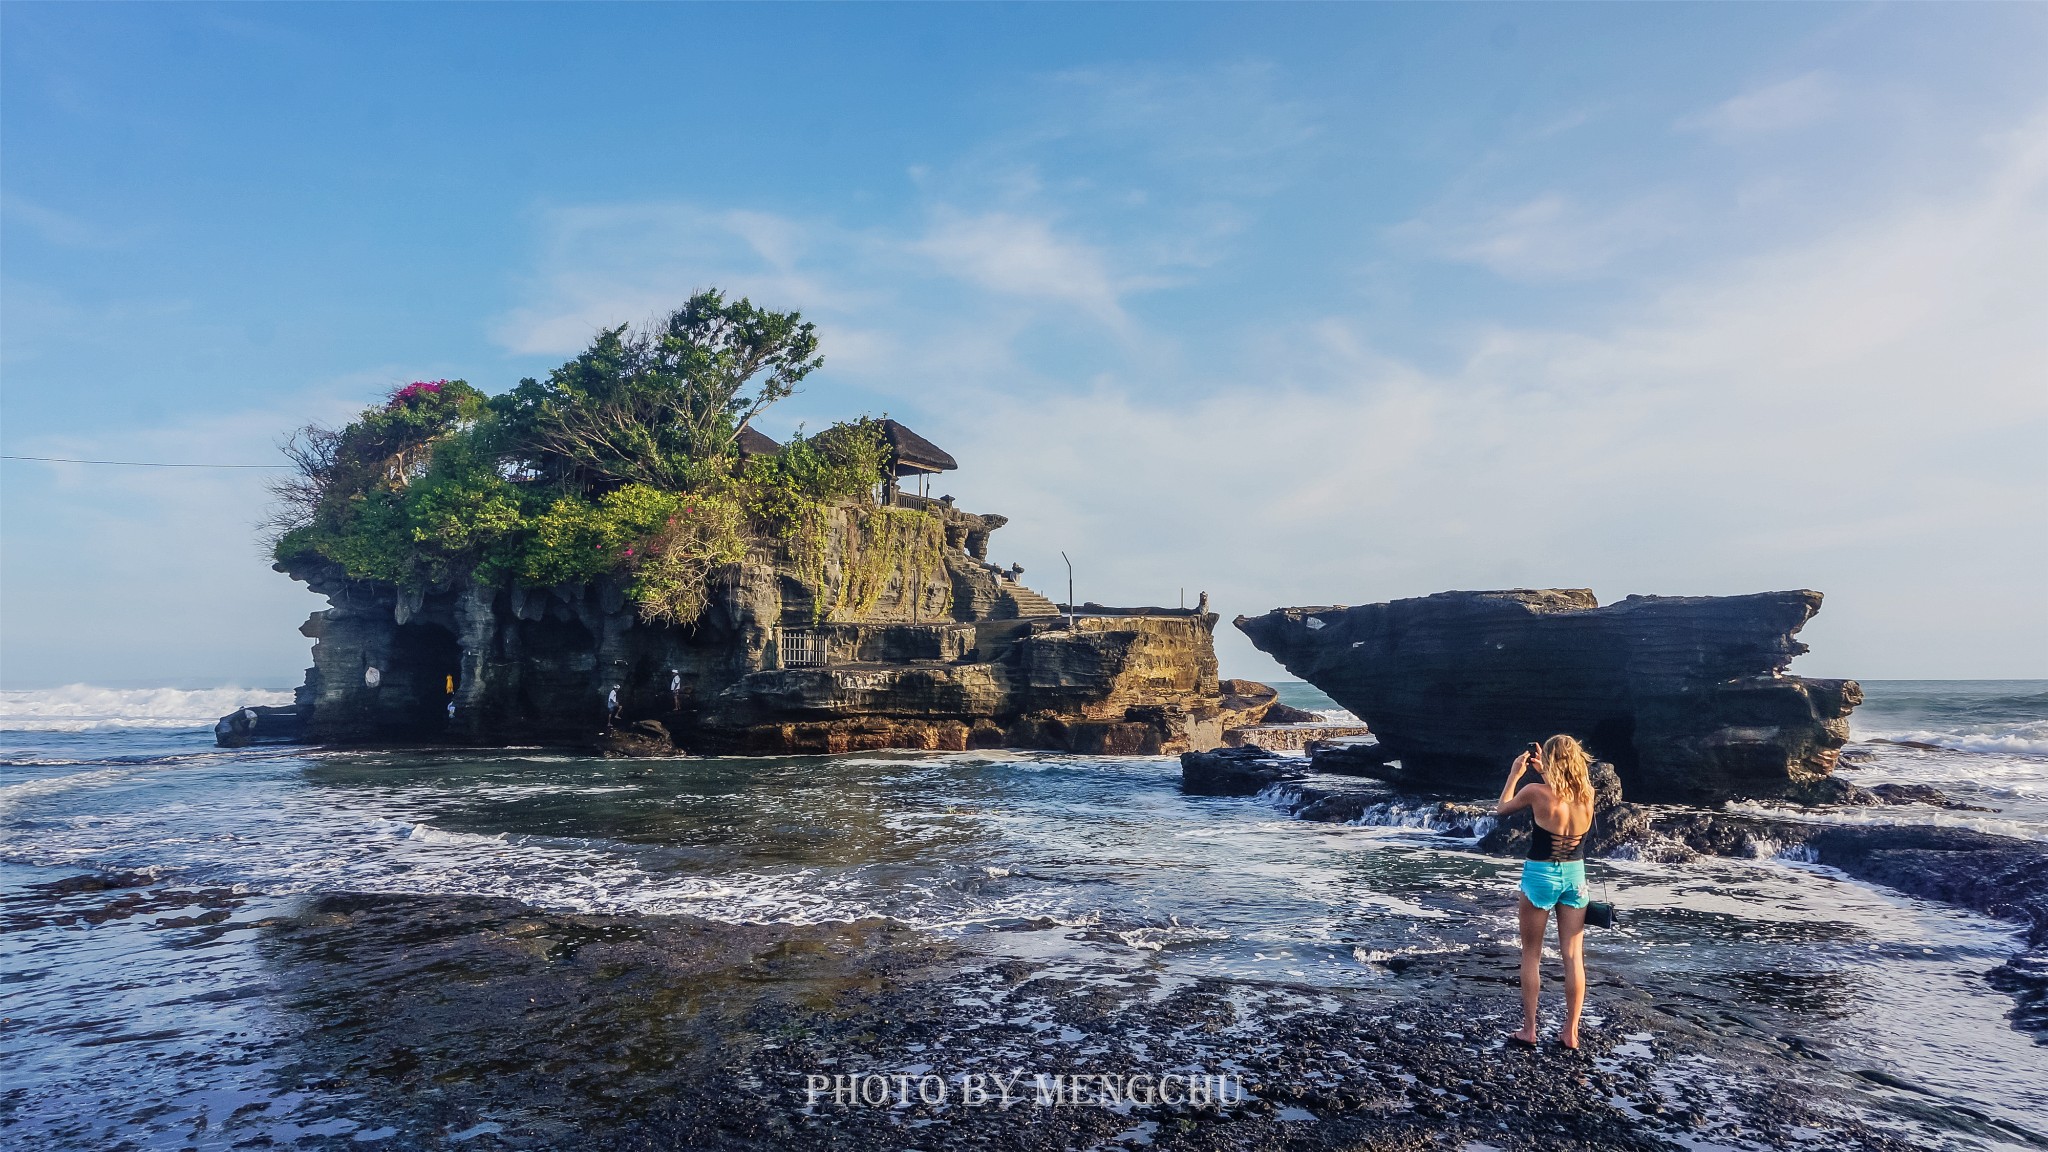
[(1070, 592)]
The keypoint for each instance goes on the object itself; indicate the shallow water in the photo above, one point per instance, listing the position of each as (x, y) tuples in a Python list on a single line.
[(1088, 859)]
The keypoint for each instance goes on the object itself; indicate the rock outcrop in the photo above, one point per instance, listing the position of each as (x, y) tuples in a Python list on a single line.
[(259, 724), (878, 644), (1237, 771), (1685, 696)]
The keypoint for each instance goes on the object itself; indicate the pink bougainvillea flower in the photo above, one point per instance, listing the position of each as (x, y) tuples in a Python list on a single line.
[(415, 390), (629, 551)]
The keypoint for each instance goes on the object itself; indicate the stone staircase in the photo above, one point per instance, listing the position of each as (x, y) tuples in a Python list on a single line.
[(1028, 603)]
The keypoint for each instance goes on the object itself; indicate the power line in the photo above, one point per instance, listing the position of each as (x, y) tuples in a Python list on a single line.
[(137, 463)]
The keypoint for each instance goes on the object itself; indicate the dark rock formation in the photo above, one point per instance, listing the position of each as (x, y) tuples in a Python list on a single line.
[(1288, 714), (870, 649), (1242, 771), (261, 724), (1686, 696), (638, 739)]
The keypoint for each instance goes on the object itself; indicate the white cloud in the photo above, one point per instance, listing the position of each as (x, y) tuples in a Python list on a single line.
[(1860, 412), (1021, 256), (157, 575), (1550, 237), (1857, 411), (608, 264), (1783, 106), (63, 229), (1226, 130)]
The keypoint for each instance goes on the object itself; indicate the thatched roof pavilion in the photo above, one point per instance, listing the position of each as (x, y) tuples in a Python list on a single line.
[(753, 443), (912, 454)]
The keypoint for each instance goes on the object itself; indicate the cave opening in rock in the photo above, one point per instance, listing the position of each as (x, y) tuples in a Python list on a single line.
[(557, 693), (415, 693)]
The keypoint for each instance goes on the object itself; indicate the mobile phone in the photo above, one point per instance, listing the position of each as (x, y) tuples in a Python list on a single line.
[(1535, 753)]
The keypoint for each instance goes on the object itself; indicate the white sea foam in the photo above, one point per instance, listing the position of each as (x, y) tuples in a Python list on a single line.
[(1892, 815), (87, 708), (2014, 740), (13, 796), (1157, 938), (1423, 815)]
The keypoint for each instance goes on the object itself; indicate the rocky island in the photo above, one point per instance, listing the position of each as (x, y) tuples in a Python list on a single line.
[(616, 557), (1685, 695)]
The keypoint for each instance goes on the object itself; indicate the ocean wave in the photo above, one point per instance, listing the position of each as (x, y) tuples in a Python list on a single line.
[(1426, 815), (428, 834), (87, 708), (1159, 937), (13, 796), (1891, 816), (2029, 739)]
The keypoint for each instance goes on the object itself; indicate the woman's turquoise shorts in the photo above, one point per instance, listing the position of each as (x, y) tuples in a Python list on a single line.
[(1548, 884)]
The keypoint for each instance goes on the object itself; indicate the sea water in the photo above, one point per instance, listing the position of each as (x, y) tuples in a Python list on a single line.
[(1051, 856)]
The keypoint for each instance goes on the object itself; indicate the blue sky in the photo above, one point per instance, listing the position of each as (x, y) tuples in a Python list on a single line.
[(1289, 304)]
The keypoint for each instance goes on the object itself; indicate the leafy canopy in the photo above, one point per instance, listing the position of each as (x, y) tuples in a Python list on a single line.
[(653, 406), (623, 463)]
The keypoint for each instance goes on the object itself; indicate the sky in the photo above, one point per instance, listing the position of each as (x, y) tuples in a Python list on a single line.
[(1288, 304)]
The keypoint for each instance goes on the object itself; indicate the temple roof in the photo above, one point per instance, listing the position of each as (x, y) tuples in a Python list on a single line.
[(752, 443), (915, 451)]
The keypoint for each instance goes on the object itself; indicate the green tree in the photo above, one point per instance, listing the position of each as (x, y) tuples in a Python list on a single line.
[(662, 405)]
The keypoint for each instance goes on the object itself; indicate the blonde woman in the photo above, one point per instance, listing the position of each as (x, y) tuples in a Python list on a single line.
[(1561, 803)]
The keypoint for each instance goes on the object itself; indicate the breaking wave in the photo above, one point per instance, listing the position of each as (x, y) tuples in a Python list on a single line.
[(86, 708), (1891, 815), (2017, 740), (1459, 821)]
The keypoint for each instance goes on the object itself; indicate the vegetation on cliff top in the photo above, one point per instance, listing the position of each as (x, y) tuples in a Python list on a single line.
[(622, 463)]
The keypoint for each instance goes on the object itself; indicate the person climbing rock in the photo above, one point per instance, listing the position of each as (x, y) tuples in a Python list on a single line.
[(611, 707), (675, 690)]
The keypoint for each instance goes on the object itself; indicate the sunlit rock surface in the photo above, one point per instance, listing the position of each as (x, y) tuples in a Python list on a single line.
[(939, 651)]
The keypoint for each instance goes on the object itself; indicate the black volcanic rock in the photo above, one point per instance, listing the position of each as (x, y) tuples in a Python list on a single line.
[(1685, 696), (1241, 771), (261, 724), (641, 738)]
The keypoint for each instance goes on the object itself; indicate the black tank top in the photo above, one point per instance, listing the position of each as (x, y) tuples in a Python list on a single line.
[(1546, 845)]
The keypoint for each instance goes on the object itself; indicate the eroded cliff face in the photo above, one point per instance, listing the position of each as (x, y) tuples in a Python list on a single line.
[(870, 643), (1686, 696)]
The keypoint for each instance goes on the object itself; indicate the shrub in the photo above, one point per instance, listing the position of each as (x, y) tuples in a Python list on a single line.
[(619, 466)]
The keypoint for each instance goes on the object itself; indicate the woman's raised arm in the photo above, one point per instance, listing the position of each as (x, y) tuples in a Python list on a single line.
[(1510, 800)]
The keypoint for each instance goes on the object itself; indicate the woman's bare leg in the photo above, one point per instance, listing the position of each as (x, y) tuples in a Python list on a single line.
[(1532, 921), (1571, 944)]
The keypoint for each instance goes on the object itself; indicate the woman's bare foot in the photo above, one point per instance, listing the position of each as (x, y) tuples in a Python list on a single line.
[(1571, 1042), (1526, 1038)]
